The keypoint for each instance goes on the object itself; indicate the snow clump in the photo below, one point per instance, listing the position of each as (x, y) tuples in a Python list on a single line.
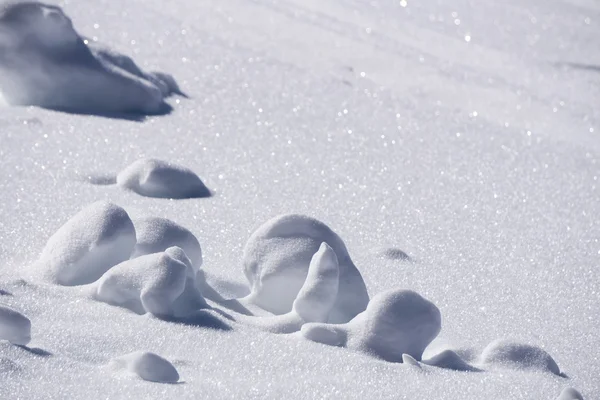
[(14, 326), (512, 354), (148, 366)]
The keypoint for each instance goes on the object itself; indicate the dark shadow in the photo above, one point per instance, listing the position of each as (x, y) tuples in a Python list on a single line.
[(579, 66), (35, 350), (5, 293), (166, 109), (394, 253), (201, 319)]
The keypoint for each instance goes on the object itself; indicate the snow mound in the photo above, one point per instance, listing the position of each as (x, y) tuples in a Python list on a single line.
[(509, 353), (395, 322), (392, 253), (45, 62), (570, 394), (148, 366), (158, 234), (95, 239), (410, 360), (156, 283), (315, 299), (14, 326), (448, 359), (156, 178), (276, 263)]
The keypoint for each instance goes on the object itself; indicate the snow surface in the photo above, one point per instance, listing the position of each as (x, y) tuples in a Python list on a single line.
[(463, 133)]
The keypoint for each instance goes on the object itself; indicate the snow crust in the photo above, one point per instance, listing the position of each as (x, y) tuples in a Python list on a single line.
[(14, 326), (395, 322), (148, 366), (45, 62), (276, 262), (87, 245), (156, 178)]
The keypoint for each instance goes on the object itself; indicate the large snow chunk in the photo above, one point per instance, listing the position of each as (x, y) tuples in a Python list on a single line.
[(276, 263), (158, 234), (156, 178), (153, 284), (315, 299), (148, 366), (14, 326), (95, 239), (45, 62), (513, 354), (395, 322)]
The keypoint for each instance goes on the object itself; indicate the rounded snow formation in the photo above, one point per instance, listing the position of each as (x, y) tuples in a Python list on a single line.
[(448, 359), (158, 234), (89, 244), (393, 253), (395, 323), (14, 326), (148, 366), (512, 354), (276, 263), (45, 62), (156, 283), (156, 178), (570, 394), (315, 299)]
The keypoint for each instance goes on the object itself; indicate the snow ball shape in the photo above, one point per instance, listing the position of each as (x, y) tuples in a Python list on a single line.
[(570, 394), (509, 353), (315, 299), (156, 178), (148, 366), (153, 284), (276, 262), (395, 322), (14, 326), (45, 62), (98, 237), (158, 234)]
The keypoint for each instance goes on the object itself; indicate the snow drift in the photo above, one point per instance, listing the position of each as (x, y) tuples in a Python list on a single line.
[(276, 263), (45, 62), (513, 354), (85, 247)]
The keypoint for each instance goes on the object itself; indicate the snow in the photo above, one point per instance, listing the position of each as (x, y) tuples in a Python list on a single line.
[(450, 360), (396, 322), (156, 234), (570, 394), (513, 354), (14, 326), (156, 178), (464, 134), (276, 262), (148, 366), (87, 245)]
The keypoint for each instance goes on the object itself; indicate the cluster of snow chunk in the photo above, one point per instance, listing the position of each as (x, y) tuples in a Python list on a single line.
[(395, 323), (89, 244), (276, 263), (45, 62), (156, 178), (513, 354), (157, 283), (158, 234), (14, 326), (148, 366)]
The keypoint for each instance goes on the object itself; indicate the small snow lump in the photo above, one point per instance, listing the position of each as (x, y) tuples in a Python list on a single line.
[(148, 366), (14, 326), (510, 353), (156, 178)]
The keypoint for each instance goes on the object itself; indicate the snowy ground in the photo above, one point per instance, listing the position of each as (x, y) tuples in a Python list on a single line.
[(465, 134)]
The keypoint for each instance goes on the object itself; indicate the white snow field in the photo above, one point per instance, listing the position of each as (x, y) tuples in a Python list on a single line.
[(464, 135)]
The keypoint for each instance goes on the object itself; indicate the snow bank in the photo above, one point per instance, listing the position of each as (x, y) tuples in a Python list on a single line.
[(98, 237), (512, 354), (158, 234), (156, 178), (156, 283), (148, 366), (315, 299), (276, 262), (45, 62), (14, 326), (570, 394), (395, 322)]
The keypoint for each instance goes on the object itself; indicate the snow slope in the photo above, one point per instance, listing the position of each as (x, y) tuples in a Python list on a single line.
[(464, 134)]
